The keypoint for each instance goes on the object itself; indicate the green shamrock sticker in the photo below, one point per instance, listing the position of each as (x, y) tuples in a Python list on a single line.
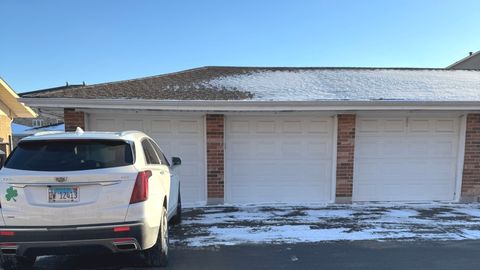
[(11, 194)]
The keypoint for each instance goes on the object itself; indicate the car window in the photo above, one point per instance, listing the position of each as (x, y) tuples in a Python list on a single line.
[(70, 155), (162, 157), (150, 155)]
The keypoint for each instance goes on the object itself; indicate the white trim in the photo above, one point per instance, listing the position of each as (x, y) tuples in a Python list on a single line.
[(226, 195), (224, 156), (205, 156), (460, 158), (86, 119), (333, 189), (355, 158), (250, 105)]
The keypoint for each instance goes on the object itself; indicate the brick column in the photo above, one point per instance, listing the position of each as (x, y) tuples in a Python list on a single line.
[(73, 119), (471, 165), (345, 157), (215, 158)]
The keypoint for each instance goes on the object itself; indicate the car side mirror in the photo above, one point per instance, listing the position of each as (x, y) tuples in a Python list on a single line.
[(176, 161)]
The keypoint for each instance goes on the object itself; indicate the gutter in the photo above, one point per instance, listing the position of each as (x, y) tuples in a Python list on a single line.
[(250, 105)]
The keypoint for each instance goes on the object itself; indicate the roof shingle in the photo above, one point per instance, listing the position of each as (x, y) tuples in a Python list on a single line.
[(286, 84)]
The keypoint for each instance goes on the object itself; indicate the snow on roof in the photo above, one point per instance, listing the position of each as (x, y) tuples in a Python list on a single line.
[(54, 127), (21, 130), (354, 84)]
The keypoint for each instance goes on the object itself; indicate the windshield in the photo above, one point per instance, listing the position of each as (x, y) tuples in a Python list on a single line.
[(70, 155)]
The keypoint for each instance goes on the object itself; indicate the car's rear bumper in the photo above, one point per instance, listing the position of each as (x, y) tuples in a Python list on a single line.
[(108, 238)]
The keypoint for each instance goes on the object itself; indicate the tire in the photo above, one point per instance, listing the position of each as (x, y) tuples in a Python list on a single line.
[(177, 219), (17, 262), (158, 254)]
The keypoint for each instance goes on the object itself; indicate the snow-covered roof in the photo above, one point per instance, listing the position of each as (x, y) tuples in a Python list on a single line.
[(284, 84), (21, 130), (355, 84)]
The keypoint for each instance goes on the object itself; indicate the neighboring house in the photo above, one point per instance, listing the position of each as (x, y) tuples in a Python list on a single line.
[(10, 108), (20, 131), (45, 117), (298, 135), (472, 61)]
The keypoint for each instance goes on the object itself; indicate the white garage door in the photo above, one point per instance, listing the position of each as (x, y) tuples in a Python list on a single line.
[(177, 136), (405, 159), (278, 159)]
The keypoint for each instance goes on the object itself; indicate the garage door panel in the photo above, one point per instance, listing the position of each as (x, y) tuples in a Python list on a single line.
[(319, 126), (161, 126), (104, 124), (318, 150), (394, 125), (188, 126), (445, 126), (278, 159), (419, 126), (265, 127), (241, 127), (369, 126), (292, 127), (133, 124), (418, 163), (181, 136)]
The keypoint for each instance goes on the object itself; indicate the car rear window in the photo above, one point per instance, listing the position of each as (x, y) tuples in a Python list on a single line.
[(70, 155)]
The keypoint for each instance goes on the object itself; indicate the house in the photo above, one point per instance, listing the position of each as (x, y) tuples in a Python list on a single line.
[(298, 135), (44, 119), (20, 131), (10, 107), (472, 61)]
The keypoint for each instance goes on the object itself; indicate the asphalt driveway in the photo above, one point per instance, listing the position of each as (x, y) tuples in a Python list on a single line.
[(212, 226), (358, 236), (343, 255)]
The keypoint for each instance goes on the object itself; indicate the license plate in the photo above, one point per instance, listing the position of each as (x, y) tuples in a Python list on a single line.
[(63, 194)]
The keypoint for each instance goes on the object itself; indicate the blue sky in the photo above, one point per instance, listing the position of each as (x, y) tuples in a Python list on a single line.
[(46, 43)]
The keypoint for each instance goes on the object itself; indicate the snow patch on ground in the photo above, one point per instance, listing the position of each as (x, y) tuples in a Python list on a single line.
[(293, 224)]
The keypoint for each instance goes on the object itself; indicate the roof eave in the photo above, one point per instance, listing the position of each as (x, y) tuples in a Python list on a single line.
[(250, 105), (11, 100)]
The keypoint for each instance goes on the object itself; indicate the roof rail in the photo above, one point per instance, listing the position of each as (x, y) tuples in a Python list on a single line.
[(47, 133), (126, 132)]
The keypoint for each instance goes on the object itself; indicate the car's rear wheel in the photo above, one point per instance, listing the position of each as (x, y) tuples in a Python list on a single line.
[(177, 219), (158, 254), (17, 262)]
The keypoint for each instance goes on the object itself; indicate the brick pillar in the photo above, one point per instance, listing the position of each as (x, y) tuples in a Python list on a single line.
[(345, 157), (215, 158), (471, 165), (73, 119)]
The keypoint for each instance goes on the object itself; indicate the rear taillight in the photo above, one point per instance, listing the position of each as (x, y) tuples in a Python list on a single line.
[(121, 229), (7, 233), (140, 190)]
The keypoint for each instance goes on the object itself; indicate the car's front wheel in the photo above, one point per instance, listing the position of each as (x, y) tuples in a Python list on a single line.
[(158, 254), (16, 262)]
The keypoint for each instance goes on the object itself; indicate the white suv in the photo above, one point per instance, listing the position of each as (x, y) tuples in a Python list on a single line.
[(87, 192)]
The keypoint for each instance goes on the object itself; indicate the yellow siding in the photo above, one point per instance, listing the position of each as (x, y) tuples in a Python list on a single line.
[(5, 132)]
